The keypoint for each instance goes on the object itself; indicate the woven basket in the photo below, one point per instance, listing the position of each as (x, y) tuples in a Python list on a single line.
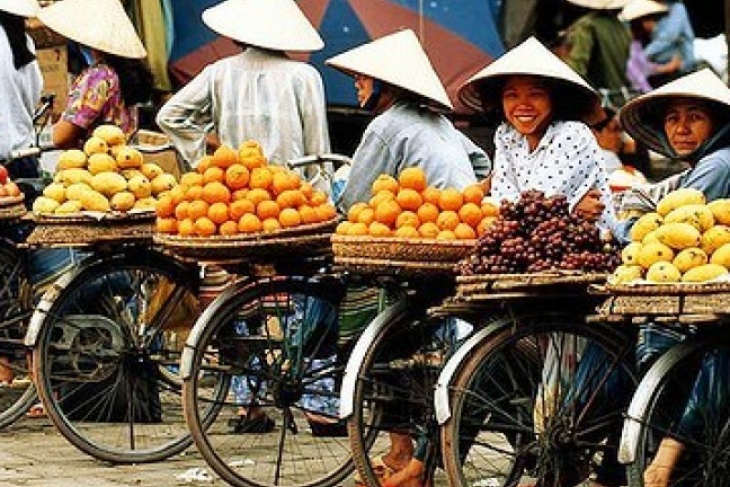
[(667, 299), (395, 268), (675, 289), (490, 284), (84, 230), (12, 212), (304, 240)]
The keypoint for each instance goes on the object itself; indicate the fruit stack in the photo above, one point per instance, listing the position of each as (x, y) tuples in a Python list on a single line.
[(407, 207), (684, 240), (9, 191), (235, 192), (106, 176), (539, 234)]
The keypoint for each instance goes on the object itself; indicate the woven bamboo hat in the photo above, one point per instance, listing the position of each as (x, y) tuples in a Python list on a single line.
[(483, 91), (23, 8), (397, 59), (643, 117), (601, 4), (637, 9), (271, 24), (99, 24)]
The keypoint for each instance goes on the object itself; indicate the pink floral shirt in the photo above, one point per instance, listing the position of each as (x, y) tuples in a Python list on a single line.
[(95, 98)]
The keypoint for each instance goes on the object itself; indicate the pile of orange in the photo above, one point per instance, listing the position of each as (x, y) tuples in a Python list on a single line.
[(406, 207), (238, 192)]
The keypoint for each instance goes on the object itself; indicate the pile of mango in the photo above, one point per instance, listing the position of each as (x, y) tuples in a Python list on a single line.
[(685, 240), (407, 207), (235, 192), (106, 176)]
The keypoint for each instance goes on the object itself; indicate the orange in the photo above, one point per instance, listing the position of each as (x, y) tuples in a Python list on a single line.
[(413, 178), (325, 212), (308, 214), (164, 206), (447, 220), (228, 228), (318, 198), (377, 229), (186, 227), (257, 195), (471, 214), (178, 193), (307, 189), (489, 209), (238, 208), (249, 223), (261, 177), (409, 199), (428, 212), (380, 196), (385, 182), (473, 194), (166, 225), (446, 235), (431, 195), (451, 199), (251, 160), (204, 227), (251, 144), (486, 223), (271, 225), (366, 216), (213, 174), (237, 176), (290, 198), (464, 232), (203, 164), (358, 229), (181, 210), (194, 193), (407, 232), (285, 180), (197, 209), (267, 209), (218, 213), (225, 157), (239, 194), (191, 179), (407, 219), (343, 227), (428, 230), (387, 212), (289, 217), (354, 211), (216, 192)]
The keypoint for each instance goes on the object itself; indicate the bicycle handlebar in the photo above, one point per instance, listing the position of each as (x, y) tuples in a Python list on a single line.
[(337, 159)]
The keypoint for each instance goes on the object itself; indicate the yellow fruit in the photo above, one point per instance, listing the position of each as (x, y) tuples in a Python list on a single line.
[(650, 238), (626, 273), (111, 134), (699, 216), (647, 223), (721, 256), (99, 163), (720, 210), (140, 187), (162, 183), (663, 272), (679, 235), (148, 203), (130, 173), (55, 191), (630, 253), (94, 201), (70, 159), (44, 204), (123, 201), (69, 207), (71, 176), (714, 238), (690, 258), (704, 273), (129, 158), (109, 183), (75, 191), (152, 170), (95, 145), (680, 197), (654, 252)]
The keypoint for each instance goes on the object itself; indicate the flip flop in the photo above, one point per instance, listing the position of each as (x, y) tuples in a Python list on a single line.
[(36, 411)]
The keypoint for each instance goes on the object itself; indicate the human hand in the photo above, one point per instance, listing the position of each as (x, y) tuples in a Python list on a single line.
[(590, 206)]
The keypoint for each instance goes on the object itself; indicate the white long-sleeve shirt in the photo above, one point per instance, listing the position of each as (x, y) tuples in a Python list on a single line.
[(257, 94), (20, 92)]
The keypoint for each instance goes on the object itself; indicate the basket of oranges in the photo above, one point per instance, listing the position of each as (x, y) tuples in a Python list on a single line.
[(11, 198), (410, 227), (235, 206)]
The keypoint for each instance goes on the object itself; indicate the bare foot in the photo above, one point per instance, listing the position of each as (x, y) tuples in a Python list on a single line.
[(659, 471), (410, 476), (657, 476)]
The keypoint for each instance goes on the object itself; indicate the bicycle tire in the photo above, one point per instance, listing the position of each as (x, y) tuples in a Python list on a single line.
[(99, 351), (501, 434), (666, 387), (248, 336)]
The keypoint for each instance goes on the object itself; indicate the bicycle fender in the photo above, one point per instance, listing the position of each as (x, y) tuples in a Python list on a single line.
[(634, 422), (363, 344), (44, 306)]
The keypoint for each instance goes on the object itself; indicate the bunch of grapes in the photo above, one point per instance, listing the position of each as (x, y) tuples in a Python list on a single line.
[(538, 234)]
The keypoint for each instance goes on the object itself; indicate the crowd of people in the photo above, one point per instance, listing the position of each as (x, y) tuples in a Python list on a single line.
[(559, 115)]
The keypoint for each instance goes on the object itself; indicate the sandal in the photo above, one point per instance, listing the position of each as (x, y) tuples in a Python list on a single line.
[(258, 425), (380, 469), (36, 411)]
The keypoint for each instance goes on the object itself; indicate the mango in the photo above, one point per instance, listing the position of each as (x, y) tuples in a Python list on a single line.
[(74, 191), (69, 207), (704, 273), (647, 223), (148, 203), (679, 235), (163, 182), (70, 159), (630, 253), (55, 191), (123, 201), (721, 256), (99, 163), (109, 183), (680, 197), (720, 210), (44, 204), (129, 158), (714, 238), (111, 134), (650, 237), (95, 201), (95, 145), (699, 216), (140, 187), (662, 272), (151, 170), (689, 258), (67, 177), (130, 173), (654, 252), (626, 273)]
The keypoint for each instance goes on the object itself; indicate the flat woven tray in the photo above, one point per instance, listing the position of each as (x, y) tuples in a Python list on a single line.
[(12, 212), (485, 284), (304, 240), (84, 230), (395, 268), (402, 250), (666, 299), (11, 200), (679, 289)]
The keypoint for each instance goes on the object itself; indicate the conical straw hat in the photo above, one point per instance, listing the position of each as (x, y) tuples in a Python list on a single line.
[(397, 59), (99, 24), (23, 8), (637, 9), (601, 4), (534, 59), (643, 117), (271, 24)]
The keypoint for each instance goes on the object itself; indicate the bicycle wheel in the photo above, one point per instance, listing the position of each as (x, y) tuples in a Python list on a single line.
[(18, 394), (700, 370), (270, 343), (107, 353), (394, 386), (540, 401)]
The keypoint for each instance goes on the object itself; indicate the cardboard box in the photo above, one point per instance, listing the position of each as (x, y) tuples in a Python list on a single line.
[(54, 66)]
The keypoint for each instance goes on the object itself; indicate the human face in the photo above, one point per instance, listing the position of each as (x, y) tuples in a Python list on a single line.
[(687, 124), (610, 136), (364, 87), (527, 106)]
